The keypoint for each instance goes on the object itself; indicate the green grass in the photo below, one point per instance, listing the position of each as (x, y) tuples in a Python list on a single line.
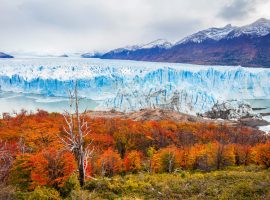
[(232, 183), (235, 183)]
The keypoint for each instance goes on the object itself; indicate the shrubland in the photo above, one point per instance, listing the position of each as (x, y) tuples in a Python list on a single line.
[(133, 160)]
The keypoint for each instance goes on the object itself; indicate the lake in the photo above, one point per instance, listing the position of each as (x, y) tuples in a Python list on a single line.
[(13, 102), (260, 105)]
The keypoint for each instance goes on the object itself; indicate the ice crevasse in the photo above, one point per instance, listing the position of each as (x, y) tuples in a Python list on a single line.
[(132, 85)]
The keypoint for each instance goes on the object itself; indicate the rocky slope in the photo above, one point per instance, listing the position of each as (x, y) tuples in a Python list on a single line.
[(146, 115), (165, 114)]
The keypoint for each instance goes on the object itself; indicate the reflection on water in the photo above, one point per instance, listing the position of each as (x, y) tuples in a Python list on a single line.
[(14, 102), (260, 105), (265, 128)]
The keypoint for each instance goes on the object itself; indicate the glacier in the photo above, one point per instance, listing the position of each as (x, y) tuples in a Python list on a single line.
[(133, 85)]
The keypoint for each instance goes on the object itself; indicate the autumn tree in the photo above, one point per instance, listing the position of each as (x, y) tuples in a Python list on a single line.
[(7, 155), (210, 156), (151, 159), (224, 155), (262, 154), (198, 157), (20, 173), (243, 154), (133, 161), (52, 167), (109, 163), (130, 135), (170, 158)]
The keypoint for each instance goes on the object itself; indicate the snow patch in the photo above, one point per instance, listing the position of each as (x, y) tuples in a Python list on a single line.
[(259, 28)]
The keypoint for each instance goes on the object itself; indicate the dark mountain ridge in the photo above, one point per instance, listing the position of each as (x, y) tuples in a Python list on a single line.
[(248, 46), (4, 55)]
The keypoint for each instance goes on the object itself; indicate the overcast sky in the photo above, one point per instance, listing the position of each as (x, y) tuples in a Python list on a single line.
[(64, 26)]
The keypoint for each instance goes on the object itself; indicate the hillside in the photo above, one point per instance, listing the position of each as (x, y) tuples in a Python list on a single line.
[(4, 55), (146, 115), (248, 46), (131, 159)]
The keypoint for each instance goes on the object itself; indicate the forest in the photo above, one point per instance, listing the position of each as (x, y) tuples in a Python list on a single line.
[(54, 156)]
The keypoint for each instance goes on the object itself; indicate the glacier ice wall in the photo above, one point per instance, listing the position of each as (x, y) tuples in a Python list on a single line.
[(132, 85)]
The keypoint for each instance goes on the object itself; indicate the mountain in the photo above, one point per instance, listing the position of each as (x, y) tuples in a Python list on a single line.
[(259, 28), (141, 52), (135, 52), (3, 55), (230, 45), (92, 55), (159, 43), (64, 56)]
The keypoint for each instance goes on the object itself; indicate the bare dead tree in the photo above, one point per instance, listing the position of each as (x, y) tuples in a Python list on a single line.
[(77, 128), (6, 160)]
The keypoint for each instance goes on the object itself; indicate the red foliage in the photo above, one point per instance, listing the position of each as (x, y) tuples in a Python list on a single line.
[(123, 144), (109, 163), (8, 151), (262, 154), (52, 167), (133, 161)]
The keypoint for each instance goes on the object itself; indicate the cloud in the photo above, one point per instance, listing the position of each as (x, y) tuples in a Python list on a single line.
[(62, 26), (238, 9), (173, 28)]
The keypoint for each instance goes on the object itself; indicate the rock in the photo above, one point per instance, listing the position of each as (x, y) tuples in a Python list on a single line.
[(231, 110), (253, 122)]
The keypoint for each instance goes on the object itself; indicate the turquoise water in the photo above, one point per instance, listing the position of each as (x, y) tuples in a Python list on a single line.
[(13, 102), (260, 103)]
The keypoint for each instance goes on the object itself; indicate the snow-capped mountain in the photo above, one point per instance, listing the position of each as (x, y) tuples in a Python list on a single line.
[(156, 45), (259, 28), (132, 85), (230, 45), (4, 55), (211, 33), (159, 43), (91, 55)]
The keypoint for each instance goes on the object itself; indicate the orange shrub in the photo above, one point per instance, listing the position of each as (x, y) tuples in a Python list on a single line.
[(20, 173), (52, 167), (210, 156), (243, 154), (133, 161), (262, 154), (109, 163), (168, 159)]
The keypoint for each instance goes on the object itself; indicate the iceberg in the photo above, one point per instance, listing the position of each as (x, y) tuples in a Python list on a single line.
[(133, 85)]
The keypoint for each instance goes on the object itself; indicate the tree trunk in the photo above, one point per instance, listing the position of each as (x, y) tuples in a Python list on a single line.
[(81, 170), (74, 139)]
